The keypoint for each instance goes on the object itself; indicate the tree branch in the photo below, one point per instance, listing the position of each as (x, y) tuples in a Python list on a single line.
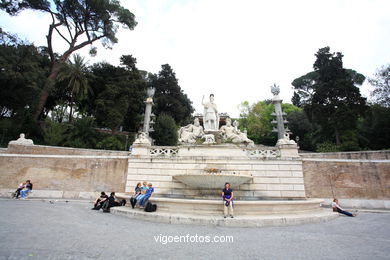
[(63, 37)]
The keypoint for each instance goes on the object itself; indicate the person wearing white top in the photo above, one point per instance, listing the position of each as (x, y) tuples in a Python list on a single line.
[(336, 207)]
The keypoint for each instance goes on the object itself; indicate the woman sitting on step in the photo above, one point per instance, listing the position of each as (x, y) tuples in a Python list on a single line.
[(227, 196), (136, 194), (144, 197), (336, 208)]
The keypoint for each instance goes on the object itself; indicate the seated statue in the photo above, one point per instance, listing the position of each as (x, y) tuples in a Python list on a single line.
[(234, 134), (188, 134), (22, 141)]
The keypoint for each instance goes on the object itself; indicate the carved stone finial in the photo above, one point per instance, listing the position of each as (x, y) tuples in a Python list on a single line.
[(275, 89)]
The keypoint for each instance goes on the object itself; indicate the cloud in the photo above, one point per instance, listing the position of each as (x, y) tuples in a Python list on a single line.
[(237, 49)]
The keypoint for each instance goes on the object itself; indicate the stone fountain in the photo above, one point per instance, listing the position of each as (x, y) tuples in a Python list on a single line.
[(267, 182)]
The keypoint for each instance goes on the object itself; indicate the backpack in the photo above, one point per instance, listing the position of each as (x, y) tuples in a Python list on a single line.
[(150, 207)]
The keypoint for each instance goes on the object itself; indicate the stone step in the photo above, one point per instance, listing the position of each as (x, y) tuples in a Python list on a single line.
[(318, 216)]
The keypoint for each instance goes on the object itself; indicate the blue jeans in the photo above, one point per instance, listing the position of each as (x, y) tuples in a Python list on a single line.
[(23, 193), (344, 212), (142, 199)]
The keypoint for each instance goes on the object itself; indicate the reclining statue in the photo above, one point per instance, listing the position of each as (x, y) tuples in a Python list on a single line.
[(188, 134), (234, 134)]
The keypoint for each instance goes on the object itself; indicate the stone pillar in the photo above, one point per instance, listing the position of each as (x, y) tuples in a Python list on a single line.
[(148, 113), (278, 113)]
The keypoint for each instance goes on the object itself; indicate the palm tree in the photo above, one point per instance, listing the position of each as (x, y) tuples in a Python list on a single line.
[(75, 73)]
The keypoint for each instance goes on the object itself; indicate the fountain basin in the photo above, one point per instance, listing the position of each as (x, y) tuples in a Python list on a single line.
[(212, 180)]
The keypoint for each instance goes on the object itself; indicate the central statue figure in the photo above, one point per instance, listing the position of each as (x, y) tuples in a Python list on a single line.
[(210, 115)]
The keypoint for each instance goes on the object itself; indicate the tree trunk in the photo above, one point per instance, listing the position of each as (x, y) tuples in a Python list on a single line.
[(336, 133), (71, 110), (50, 81)]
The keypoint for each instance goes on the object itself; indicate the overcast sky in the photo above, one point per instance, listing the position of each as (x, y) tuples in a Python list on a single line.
[(238, 49)]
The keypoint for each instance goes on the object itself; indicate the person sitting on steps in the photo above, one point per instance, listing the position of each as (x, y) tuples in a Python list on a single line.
[(227, 196), (27, 189), (16, 194), (336, 208), (112, 201), (100, 201), (137, 192), (143, 198)]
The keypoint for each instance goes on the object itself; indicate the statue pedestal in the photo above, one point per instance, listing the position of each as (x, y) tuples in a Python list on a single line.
[(288, 150), (140, 149)]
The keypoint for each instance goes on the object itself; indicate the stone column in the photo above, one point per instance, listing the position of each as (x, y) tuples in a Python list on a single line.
[(148, 111), (278, 112)]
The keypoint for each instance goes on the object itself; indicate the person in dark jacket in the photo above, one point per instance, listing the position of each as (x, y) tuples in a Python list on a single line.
[(100, 201), (112, 201)]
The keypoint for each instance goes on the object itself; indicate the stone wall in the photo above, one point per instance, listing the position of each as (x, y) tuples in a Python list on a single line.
[(73, 173), (66, 170), (353, 175)]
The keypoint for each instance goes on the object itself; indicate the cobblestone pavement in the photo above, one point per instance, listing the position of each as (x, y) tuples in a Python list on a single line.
[(41, 230)]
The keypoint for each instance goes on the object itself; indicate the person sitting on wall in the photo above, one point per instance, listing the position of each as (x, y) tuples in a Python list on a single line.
[(100, 201), (27, 189), (227, 196), (137, 192), (336, 208), (16, 194), (112, 201), (143, 198)]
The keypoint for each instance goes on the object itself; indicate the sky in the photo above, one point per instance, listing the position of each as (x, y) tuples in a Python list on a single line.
[(238, 49)]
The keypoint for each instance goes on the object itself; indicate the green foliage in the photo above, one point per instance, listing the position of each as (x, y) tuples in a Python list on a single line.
[(165, 131), (375, 128), (24, 69), (300, 126), (119, 93), (169, 97), (331, 99), (327, 147), (381, 83), (111, 142), (256, 119), (77, 24), (55, 134)]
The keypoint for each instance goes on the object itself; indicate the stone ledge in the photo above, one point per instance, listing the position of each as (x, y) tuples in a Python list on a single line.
[(237, 221)]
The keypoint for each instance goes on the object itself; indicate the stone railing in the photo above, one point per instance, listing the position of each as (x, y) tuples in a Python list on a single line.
[(263, 153), (163, 151)]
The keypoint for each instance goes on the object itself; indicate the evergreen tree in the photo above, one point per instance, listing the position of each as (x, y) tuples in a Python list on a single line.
[(169, 97), (165, 130)]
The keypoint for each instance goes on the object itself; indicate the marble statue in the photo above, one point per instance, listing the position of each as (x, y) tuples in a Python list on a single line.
[(188, 134), (208, 139), (230, 132), (210, 115), (285, 140), (22, 141), (142, 139)]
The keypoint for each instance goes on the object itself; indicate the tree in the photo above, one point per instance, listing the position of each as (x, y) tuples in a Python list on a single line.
[(119, 93), (23, 70), (165, 130), (75, 74), (78, 23), (169, 97), (257, 120), (381, 83), (330, 98), (375, 127), (300, 126)]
